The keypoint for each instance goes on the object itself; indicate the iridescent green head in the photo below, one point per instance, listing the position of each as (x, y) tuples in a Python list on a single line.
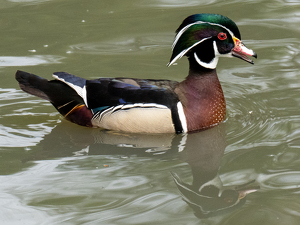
[(206, 37)]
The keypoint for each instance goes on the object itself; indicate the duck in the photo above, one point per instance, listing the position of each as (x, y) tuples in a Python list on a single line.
[(152, 105)]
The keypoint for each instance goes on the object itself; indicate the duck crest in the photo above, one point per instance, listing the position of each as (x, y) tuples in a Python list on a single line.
[(211, 19)]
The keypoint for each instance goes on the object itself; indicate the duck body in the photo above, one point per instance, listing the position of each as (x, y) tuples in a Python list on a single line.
[(148, 105)]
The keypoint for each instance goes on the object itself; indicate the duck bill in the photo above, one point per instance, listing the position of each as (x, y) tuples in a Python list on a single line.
[(242, 194), (247, 188), (241, 51)]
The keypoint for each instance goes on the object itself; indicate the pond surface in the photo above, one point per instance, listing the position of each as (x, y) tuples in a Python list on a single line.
[(55, 172)]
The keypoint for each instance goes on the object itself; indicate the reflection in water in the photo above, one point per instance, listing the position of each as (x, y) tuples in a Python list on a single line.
[(207, 195), (203, 151)]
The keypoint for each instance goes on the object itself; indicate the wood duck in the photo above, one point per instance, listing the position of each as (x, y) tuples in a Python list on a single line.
[(148, 105)]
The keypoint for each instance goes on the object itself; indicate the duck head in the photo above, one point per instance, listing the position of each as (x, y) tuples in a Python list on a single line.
[(206, 37)]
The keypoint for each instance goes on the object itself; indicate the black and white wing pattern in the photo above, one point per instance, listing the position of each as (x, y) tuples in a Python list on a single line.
[(131, 105)]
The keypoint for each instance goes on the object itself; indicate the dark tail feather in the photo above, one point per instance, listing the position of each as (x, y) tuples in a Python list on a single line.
[(32, 84), (63, 98)]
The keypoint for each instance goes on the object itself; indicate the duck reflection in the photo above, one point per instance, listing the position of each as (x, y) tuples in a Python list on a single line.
[(207, 195), (203, 152), (66, 140)]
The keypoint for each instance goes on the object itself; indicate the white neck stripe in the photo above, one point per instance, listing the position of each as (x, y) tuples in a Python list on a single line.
[(182, 117)]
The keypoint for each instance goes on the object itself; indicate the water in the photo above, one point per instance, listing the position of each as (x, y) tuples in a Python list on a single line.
[(54, 172)]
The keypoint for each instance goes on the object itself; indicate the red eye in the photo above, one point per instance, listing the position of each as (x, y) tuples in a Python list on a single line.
[(222, 36)]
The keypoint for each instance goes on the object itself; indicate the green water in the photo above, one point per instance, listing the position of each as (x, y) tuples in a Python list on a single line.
[(54, 172)]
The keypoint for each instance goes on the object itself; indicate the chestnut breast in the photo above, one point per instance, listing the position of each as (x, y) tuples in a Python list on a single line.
[(203, 101)]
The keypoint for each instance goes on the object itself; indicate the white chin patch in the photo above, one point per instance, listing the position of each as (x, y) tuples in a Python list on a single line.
[(210, 65), (213, 63)]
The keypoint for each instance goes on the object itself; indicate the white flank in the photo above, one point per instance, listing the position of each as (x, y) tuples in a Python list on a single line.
[(136, 118), (182, 117)]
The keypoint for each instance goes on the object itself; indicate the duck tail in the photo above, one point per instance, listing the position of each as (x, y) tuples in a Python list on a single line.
[(62, 97), (32, 84)]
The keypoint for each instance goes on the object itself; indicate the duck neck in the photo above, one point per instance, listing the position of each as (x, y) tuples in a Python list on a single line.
[(202, 97), (197, 70)]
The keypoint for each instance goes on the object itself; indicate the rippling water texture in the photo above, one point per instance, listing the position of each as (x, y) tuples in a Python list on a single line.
[(245, 171)]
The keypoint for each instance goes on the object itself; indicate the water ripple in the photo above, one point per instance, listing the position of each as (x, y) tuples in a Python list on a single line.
[(283, 180), (104, 198), (29, 60), (126, 45), (15, 106), (260, 105), (178, 3)]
